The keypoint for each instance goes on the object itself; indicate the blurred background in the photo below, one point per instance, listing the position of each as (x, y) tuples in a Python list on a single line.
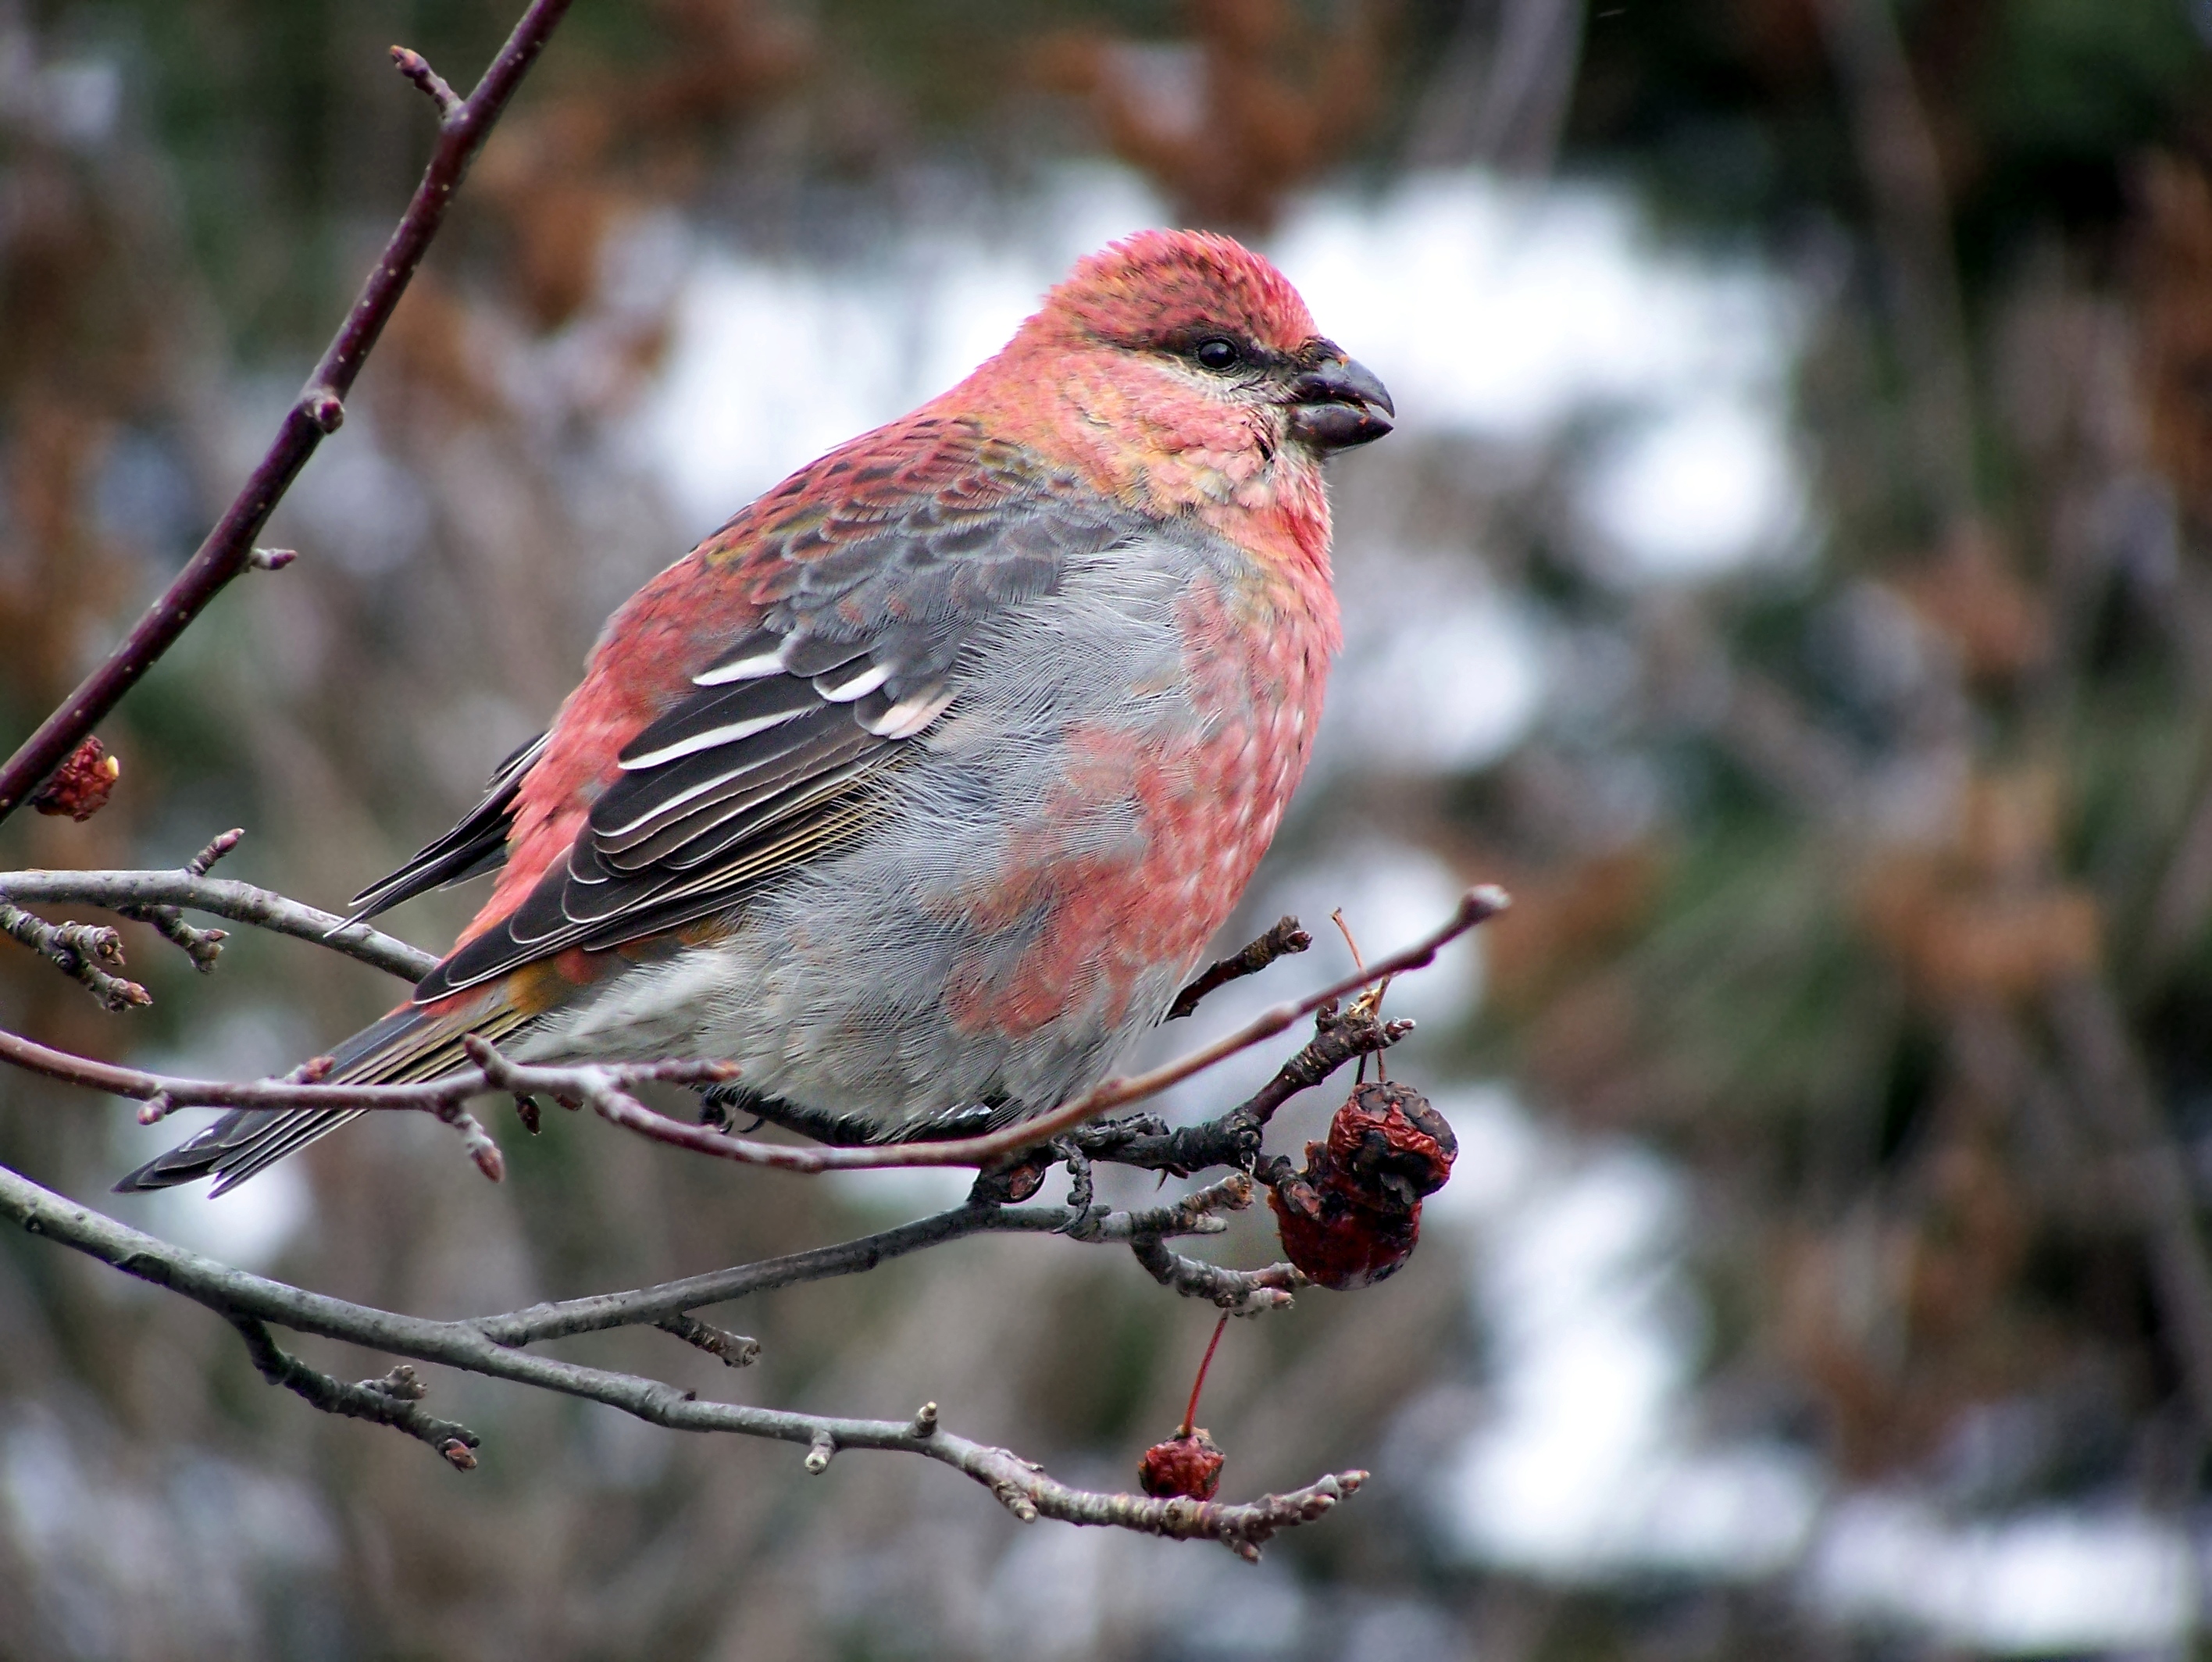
[(1788, 576)]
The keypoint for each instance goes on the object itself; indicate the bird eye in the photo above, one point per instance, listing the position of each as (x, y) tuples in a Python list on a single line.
[(1218, 353)]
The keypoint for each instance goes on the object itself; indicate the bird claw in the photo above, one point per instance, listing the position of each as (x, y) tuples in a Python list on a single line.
[(1082, 1223)]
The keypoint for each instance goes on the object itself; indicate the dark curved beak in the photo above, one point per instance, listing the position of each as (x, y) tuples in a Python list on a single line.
[(1338, 403)]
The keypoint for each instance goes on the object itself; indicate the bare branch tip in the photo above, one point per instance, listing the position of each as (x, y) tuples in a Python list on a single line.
[(820, 1452), (203, 862), (416, 67), (475, 1140), (87, 953), (203, 946), (488, 1160), (1284, 938), (1482, 903), (730, 1349)]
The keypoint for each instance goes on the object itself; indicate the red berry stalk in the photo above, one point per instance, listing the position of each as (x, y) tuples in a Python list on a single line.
[(1189, 1462)]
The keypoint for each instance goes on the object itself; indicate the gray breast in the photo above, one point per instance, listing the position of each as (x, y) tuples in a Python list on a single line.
[(834, 992)]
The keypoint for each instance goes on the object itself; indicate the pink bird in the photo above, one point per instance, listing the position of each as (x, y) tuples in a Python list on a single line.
[(917, 789)]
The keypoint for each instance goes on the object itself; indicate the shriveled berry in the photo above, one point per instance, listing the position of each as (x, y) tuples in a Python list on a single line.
[(80, 785), (1188, 1465), (1353, 1216), (1340, 1246), (1390, 1145)]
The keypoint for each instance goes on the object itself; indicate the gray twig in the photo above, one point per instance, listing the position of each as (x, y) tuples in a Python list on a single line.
[(241, 903), (730, 1349), (1018, 1484), (1240, 1292), (394, 1400), (1194, 1214), (1234, 1138), (87, 953)]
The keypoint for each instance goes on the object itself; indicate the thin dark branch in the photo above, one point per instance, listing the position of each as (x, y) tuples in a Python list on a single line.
[(1234, 1138), (1285, 938), (1018, 1485), (1195, 1213), (2119, 1101), (416, 67), (394, 1400), (241, 903), (1903, 166), (229, 549)]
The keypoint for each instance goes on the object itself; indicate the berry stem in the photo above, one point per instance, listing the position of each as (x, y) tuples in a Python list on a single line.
[(1190, 1414)]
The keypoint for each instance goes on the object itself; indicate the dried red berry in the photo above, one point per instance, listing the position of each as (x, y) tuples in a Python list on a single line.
[(80, 785), (1353, 1216), (1338, 1245), (1189, 1462), (1187, 1465), (1391, 1144)]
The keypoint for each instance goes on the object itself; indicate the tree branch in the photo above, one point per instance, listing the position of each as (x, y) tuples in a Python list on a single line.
[(730, 1349), (228, 550), (1022, 1488), (1192, 1214), (1234, 1138), (1240, 1292), (87, 953), (1285, 938), (394, 1400), (1477, 906), (606, 1089), (221, 897)]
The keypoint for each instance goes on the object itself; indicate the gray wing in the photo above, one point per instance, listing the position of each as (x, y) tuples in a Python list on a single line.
[(779, 751)]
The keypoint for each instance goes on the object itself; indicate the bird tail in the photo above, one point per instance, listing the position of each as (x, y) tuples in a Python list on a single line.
[(413, 1042)]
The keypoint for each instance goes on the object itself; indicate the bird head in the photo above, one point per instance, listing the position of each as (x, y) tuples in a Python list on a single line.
[(1201, 346)]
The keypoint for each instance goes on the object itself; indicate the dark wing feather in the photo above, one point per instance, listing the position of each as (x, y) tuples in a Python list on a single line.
[(781, 751), (408, 1044), (475, 846)]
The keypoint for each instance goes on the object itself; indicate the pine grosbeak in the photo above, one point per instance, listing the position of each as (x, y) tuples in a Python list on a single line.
[(917, 789)]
